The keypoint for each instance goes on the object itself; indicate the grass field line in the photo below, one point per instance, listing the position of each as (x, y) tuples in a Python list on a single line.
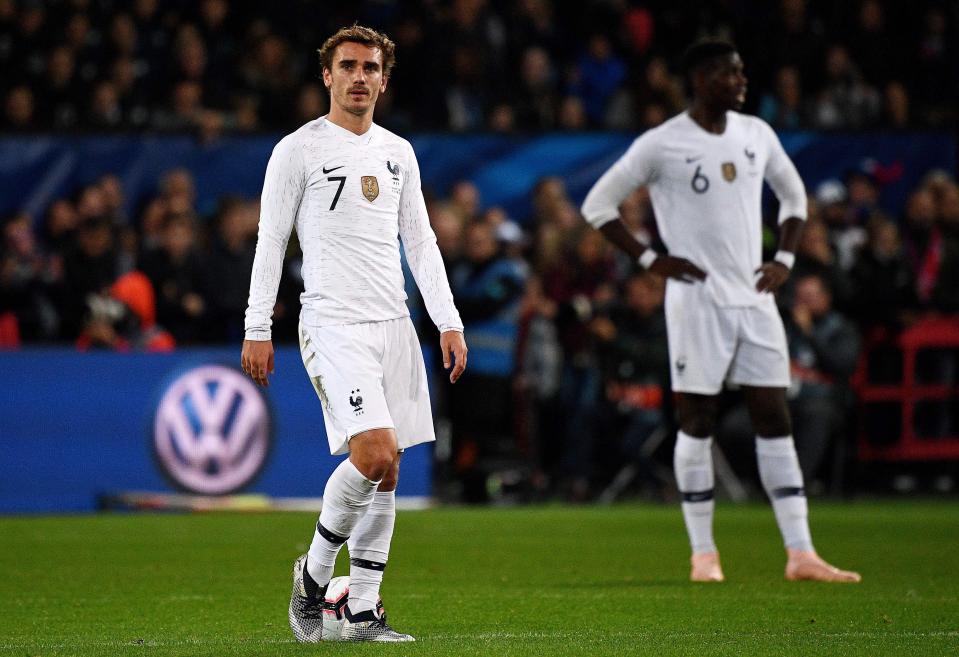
[(477, 636), (586, 636)]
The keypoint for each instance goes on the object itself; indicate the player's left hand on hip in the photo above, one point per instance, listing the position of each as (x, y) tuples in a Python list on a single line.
[(453, 348), (772, 275)]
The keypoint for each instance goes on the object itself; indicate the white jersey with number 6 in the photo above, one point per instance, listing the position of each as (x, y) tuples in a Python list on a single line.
[(351, 197), (706, 191)]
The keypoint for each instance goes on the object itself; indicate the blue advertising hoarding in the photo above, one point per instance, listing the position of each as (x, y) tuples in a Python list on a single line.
[(77, 426)]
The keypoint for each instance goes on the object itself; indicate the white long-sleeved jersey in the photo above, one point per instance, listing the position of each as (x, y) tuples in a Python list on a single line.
[(706, 191), (350, 197)]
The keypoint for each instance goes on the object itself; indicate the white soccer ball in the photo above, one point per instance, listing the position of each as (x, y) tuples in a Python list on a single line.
[(337, 595)]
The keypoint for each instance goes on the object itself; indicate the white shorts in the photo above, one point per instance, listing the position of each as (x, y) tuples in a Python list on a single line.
[(369, 376), (711, 344)]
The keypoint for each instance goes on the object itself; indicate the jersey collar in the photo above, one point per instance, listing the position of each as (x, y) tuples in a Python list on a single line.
[(360, 140)]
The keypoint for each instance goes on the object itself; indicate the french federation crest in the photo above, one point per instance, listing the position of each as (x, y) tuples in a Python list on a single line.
[(371, 188), (729, 171)]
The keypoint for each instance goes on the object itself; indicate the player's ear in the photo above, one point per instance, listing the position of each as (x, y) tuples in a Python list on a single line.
[(383, 82), (327, 77)]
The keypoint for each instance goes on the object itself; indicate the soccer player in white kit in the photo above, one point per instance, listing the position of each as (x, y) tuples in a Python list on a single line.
[(351, 188), (705, 170)]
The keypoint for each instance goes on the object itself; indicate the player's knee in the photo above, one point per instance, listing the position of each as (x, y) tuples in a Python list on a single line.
[(698, 425), (376, 464), (772, 423), (390, 479)]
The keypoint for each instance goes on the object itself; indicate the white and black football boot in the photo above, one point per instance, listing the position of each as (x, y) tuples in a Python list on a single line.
[(307, 605), (368, 626)]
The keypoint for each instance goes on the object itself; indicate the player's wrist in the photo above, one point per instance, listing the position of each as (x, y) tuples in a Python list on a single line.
[(785, 258), (647, 258)]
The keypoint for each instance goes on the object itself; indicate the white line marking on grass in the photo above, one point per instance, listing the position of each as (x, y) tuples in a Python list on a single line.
[(150, 643)]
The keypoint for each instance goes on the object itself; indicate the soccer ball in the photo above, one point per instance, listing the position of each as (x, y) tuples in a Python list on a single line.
[(334, 615)]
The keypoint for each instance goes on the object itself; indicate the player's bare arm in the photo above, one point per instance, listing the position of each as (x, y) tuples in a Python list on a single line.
[(453, 347), (774, 273), (667, 266), (257, 360)]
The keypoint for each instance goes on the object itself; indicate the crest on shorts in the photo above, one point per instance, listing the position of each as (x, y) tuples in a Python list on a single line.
[(729, 171), (371, 188), (356, 402)]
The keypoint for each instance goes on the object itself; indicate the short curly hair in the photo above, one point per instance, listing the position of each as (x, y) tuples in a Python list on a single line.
[(359, 34)]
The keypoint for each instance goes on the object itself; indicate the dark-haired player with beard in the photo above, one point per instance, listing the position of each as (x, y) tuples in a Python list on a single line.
[(705, 170)]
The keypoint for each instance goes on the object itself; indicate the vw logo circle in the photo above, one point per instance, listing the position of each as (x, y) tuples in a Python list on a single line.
[(212, 430)]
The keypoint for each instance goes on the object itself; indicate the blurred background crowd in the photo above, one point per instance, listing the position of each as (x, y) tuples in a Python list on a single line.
[(569, 393), (216, 65)]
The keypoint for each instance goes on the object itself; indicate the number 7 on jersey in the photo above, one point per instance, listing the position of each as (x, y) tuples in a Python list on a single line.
[(336, 197)]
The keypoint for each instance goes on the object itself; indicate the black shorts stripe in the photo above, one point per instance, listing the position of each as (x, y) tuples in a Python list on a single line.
[(698, 496), (367, 564), (335, 539), (788, 491)]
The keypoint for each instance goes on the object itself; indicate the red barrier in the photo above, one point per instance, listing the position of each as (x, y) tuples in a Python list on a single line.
[(9, 331), (939, 333)]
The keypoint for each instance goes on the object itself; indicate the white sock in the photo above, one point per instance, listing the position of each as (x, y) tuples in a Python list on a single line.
[(369, 550), (693, 464), (347, 497), (782, 479)]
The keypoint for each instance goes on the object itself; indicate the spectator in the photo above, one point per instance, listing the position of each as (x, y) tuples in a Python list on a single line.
[(229, 265), (488, 287), (177, 274), (782, 108), (598, 74), (845, 100), (935, 72), (824, 348), (539, 371), (896, 106), (91, 267), (61, 90), (932, 258), (815, 256), (25, 280), (634, 359), (578, 283), (449, 228), (105, 112), (467, 95), (19, 110), (61, 227), (536, 98), (465, 200), (883, 288), (124, 320), (311, 103), (845, 235), (572, 114)]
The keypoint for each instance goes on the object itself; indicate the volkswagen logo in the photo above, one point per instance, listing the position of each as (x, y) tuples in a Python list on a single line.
[(212, 430)]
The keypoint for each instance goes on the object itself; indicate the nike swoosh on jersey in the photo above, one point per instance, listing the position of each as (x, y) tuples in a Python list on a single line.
[(690, 160), (325, 170)]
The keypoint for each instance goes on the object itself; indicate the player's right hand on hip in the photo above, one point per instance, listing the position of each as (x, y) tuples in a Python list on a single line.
[(257, 360), (679, 269)]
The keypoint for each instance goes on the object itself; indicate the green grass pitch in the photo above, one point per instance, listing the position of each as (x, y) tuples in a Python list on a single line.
[(536, 581)]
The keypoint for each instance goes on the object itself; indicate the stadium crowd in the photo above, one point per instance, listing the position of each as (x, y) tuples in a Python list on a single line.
[(582, 389), (214, 65), (586, 333)]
